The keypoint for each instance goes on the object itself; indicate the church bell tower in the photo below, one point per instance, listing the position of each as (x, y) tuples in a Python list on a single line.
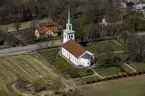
[(68, 33)]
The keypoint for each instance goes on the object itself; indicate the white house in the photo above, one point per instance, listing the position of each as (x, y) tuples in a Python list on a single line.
[(139, 7), (73, 51)]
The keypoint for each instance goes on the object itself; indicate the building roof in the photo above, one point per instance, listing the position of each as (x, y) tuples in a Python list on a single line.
[(44, 29), (68, 31), (129, 4), (74, 48)]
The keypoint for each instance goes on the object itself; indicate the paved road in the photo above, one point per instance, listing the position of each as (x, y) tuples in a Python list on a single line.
[(141, 33), (29, 48)]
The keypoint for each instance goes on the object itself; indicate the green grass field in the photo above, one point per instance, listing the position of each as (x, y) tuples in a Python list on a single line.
[(123, 56), (27, 66), (127, 69), (138, 66), (131, 86), (101, 47), (107, 71), (111, 70), (62, 65)]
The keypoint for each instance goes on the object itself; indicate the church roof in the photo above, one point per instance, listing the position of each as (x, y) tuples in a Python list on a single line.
[(74, 48), (68, 31)]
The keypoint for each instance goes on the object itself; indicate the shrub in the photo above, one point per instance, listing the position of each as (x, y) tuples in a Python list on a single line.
[(88, 82), (99, 80), (115, 76), (109, 78), (93, 81), (143, 72), (124, 75), (139, 72), (38, 87), (1, 42), (134, 73), (56, 92), (115, 61)]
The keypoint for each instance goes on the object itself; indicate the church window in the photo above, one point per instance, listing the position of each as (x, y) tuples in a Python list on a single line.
[(71, 36), (69, 27)]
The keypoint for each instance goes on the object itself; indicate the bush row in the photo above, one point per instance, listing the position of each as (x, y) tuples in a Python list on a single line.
[(113, 77)]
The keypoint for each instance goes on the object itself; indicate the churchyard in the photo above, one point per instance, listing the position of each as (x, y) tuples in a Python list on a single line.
[(140, 66), (109, 48), (62, 65), (69, 71), (102, 47), (29, 67)]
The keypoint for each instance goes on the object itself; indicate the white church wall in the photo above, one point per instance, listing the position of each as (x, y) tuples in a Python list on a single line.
[(62, 51), (77, 61), (69, 56), (64, 37), (73, 59), (85, 62)]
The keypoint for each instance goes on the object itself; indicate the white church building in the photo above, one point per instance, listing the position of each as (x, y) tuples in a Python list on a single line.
[(73, 51)]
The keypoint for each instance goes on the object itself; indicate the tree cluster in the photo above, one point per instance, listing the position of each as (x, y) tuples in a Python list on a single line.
[(21, 10), (135, 45), (8, 38)]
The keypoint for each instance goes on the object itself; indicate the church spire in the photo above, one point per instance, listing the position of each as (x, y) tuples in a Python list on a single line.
[(68, 33), (69, 25), (68, 21)]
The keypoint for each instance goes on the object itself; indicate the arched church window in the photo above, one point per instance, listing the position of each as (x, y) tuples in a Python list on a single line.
[(69, 36), (69, 27)]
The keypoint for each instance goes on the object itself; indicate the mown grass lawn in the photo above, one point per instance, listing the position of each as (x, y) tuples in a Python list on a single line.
[(112, 70), (126, 69), (107, 71), (101, 47), (62, 65), (133, 86), (27, 67), (138, 66), (124, 57)]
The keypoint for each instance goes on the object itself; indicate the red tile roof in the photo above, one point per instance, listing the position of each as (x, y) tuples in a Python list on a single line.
[(74, 48), (44, 29)]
